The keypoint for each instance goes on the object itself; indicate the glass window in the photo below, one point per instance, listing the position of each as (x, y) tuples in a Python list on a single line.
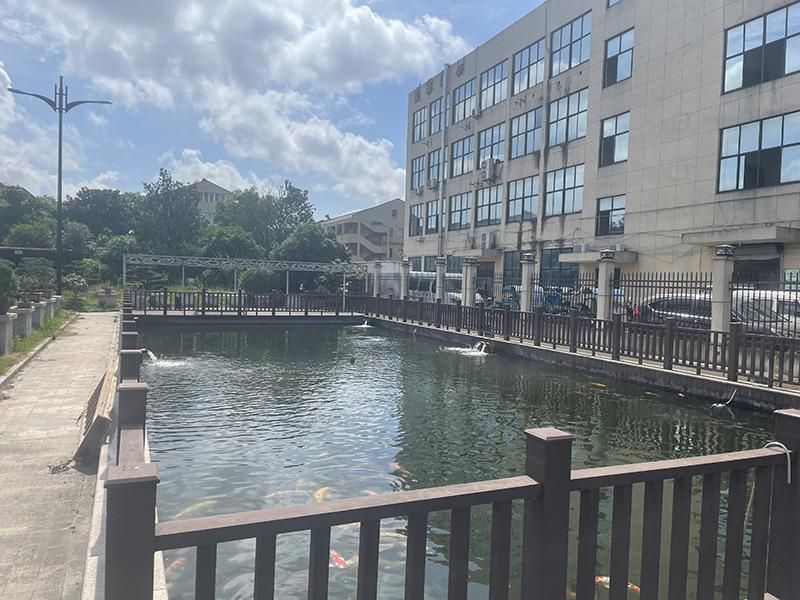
[(564, 191), (523, 199), (763, 49), (528, 67), (526, 133), (613, 2), (494, 85), (489, 205), (760, 154), (463, 101), (512, 267), (454, 264), (436, 116), (432, 221), (568, 118), (554, 270), (417, 172), (420, 124), (434, 163), (619, 58), (611, 215), (491, 143), (460, 211), (415, 212), (416, 263), (429, 264), (463, 160), (570, 44), (614, 139)]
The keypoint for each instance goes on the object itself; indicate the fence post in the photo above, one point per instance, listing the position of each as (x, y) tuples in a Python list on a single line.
[(239, 305), (573, 330), (305, 304), (437, 313), (669, 342), (129, 340), (545, 526), (733, 351), (405, 309), (482, 320), (376, 283), (130, 364), (616, 335), (538, 323), (166, 300), (506, 322), (721, 275), (783, 576), (459, 315), (203, 302)]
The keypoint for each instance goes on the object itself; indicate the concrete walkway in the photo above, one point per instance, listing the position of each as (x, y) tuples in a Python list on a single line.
[(45, 500)]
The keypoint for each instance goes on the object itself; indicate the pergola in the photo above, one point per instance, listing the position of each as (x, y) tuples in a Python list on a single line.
[(218, 262)]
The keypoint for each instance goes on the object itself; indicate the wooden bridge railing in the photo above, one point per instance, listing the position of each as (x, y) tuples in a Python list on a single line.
[(773, 524)]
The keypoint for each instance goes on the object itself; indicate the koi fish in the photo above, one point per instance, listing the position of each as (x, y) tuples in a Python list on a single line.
[(606, 583), (175, 566), (286, 494), (322, 494), (650, 394), (337, 561), (396, 467), (195, 507), (599, 385)]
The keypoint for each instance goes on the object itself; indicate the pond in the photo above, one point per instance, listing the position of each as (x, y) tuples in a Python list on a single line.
[(271, 416)]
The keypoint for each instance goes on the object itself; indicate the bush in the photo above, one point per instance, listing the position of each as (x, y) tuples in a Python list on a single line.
[(35, 274), (255, 281), (8, 286)]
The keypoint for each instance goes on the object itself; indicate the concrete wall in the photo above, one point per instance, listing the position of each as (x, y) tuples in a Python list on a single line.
[(384, 220)]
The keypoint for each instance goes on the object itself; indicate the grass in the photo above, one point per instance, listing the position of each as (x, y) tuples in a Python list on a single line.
[(24, 346), (87, 302)]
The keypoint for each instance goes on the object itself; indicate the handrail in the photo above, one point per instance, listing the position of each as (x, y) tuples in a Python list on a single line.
[(182, 533), (597, 477)]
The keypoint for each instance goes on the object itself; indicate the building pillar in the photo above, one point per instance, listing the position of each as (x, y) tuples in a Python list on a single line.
[(721, 274), (376, 282), (24, 322), (441, 268), (37, 318), (7, 332), (605, 272), (405, 271), (528, 263), (469, 271)]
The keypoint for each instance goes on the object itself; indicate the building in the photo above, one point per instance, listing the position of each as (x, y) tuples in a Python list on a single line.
[(374, 233), (210, 194), (657, 129)]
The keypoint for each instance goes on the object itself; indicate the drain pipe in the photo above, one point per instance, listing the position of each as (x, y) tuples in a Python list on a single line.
[(442, 162)]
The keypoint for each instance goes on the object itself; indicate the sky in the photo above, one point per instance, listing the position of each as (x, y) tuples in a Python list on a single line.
[(241, 92)]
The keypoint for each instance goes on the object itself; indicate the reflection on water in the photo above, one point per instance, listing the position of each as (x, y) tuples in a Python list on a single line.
[(243, 420)]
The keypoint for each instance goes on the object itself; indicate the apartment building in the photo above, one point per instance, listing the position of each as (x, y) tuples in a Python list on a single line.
[(209, 195), (371, 234), (659, 129)]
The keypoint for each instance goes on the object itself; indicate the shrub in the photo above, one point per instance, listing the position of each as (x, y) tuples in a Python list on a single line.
[(8, 286)]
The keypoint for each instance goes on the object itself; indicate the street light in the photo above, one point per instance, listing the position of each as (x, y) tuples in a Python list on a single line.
[(61, 105)]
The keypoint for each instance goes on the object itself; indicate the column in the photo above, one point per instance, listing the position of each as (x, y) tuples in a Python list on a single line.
[(605, 272), (24, 322), (441, 268), (528, 263), (7, 332), (376, 281), (721, 274), (469, 272), (405, 271)]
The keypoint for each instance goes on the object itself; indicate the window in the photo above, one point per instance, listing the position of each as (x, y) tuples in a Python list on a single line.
[(432, 222), (417, 172), (611, 215), (512, 267), (462, 157), (494, 85), (760, 154), (614, 142), (429, 264), (487, 211), (394, 212), (491, 143), (528, 67), (454, 264), (526, 133), (619, 58), (523, 197), (613, 2), (763, 49), (415, 217), (564, 191), (434, 161), (570, 44), (420, 124), (350, 228), (463, 101), (553, 269), (568, 118), (436, 116), (416, 263), (460, 211)]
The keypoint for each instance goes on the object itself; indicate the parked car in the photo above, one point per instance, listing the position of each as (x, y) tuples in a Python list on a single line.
[(786, 304)]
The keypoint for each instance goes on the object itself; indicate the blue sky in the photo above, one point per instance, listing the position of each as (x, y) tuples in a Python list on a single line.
[(243, 92)]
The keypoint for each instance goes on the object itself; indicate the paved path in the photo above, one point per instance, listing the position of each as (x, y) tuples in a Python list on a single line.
[(45, 502)]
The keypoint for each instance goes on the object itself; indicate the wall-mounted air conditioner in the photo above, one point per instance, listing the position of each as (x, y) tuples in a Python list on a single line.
[(476, 112), (433, 184), (420, 190), (488, 169)]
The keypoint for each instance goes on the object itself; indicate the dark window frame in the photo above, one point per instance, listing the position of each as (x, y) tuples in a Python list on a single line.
[(436, 117), (432, 215), (537, 66), (496, 88), (463, 210), (609, 148), (489, 202), (527, 137), (419, 130), (605, 217), (416, 219), (493, 140), (417, 172), (528, 203), (464, 101), (465, 159), (614, 60), (570, 45), (551, 180)]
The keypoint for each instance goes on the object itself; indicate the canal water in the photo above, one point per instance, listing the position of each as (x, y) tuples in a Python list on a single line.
[(274, 416)]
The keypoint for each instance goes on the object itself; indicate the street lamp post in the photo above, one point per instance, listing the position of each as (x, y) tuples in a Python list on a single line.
[(61, 105)]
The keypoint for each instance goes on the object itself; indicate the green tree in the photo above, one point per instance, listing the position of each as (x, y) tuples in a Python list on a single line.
[(103, 210), (310, 241), (37, 234), (35, 274), (168, 220), (251, 211), (90, 269), (229, 241), (19, 206), (111, 249), (257, 281), (78, 238), (8, 286), (292, 208)]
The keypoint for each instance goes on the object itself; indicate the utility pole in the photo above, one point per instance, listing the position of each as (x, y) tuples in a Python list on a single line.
[(60, 104)]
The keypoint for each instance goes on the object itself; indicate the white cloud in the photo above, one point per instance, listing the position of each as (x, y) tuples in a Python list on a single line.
[(106, 179), (191, 167), (97, 119)]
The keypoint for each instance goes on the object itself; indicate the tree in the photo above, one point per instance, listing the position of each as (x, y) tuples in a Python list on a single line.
[(251, 211), (19, 206), (8, 286), (310, 241), (90, 269), (37, 234), (292, 208), (102, 210), (35, 274), (168, 220), (257, 281), (229, 241), (110, 250), (78, 238)]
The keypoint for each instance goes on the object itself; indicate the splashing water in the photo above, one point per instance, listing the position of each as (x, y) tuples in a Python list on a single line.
[(151, 355), (364, 325), (477, 349)]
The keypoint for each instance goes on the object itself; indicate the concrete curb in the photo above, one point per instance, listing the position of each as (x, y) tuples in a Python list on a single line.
[(14, 370)]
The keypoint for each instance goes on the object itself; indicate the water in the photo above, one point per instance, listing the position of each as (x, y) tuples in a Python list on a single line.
[(243, 420)]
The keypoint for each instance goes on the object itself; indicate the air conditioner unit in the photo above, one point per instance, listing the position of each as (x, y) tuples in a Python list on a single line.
[(488, 241), (476, 112), (420, 190), (433, 184), (488, 169), (469, 242)]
